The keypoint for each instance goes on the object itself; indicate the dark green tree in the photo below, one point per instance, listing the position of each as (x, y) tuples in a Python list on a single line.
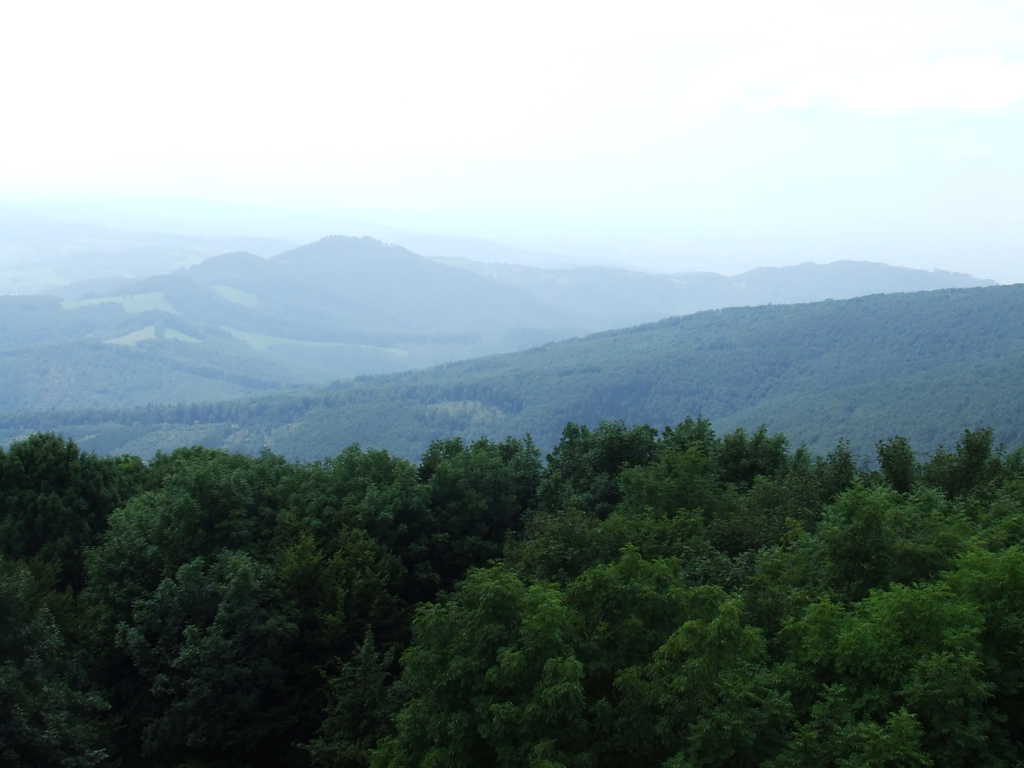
[(49, 715), (896, 458)]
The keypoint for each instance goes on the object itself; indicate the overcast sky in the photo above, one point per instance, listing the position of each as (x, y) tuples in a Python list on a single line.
[(670, 135)]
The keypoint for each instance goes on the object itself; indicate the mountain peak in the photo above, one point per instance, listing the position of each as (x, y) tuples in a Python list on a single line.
[(331, 249), (231, 262)]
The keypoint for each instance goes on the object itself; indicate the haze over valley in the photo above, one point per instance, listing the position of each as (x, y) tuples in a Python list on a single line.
[(917, 363), (238, 324), (512, 385)]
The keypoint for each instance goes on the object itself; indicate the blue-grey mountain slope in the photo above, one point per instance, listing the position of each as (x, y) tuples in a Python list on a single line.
[(239, 324), (925, 365)]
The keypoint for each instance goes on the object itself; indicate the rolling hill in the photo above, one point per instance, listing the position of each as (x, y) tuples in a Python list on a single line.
[(238, 324), (925, 365)]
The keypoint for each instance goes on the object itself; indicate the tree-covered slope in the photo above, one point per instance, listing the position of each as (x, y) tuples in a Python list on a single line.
[(925, 364), (238, 324), (57, 356)]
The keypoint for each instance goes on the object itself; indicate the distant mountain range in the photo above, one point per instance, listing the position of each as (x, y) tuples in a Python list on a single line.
[(925, 365), (239, 324), (39, 252), (604, 298)]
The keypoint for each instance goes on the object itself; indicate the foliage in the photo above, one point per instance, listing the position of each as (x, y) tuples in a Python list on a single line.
[(923, 365), (668, 598)]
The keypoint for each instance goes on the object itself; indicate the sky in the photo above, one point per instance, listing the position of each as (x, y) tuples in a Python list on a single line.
[(670, 136)]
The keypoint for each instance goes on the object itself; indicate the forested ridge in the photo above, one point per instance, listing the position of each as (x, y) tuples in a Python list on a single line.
[(238, 325), (637, 597), (926, 365)]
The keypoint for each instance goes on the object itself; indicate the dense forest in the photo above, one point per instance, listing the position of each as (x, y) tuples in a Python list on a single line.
[(925, 365), (238, 325), (637, 597)]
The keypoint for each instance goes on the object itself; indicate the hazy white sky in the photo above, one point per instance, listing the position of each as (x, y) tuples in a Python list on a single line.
[(681, 134)]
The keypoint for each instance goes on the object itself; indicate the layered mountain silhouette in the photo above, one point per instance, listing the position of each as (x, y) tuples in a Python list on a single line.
[(925, 365), (240, 324)]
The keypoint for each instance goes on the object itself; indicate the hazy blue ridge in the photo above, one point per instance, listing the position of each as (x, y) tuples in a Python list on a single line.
[(240, 324), (925, 365)]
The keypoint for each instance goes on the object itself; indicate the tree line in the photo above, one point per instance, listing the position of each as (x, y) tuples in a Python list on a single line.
[(636, 597)]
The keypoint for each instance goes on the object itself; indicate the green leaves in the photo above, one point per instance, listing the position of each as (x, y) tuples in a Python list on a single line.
[(54, 502), (872, 537), (214, 644), (48, 713), (915, 650), (625, 661), (834, 735), (674, 600), (360, 703), (708, 695)]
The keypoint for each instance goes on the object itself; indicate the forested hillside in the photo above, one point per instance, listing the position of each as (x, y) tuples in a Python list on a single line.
[(238, 324), (641, 597), (925, 364)]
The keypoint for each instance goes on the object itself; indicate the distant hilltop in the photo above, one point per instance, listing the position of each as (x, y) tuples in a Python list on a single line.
[(925, 365), (241, 324)]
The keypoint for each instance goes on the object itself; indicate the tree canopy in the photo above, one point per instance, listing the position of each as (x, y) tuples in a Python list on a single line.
[(671, 598)]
